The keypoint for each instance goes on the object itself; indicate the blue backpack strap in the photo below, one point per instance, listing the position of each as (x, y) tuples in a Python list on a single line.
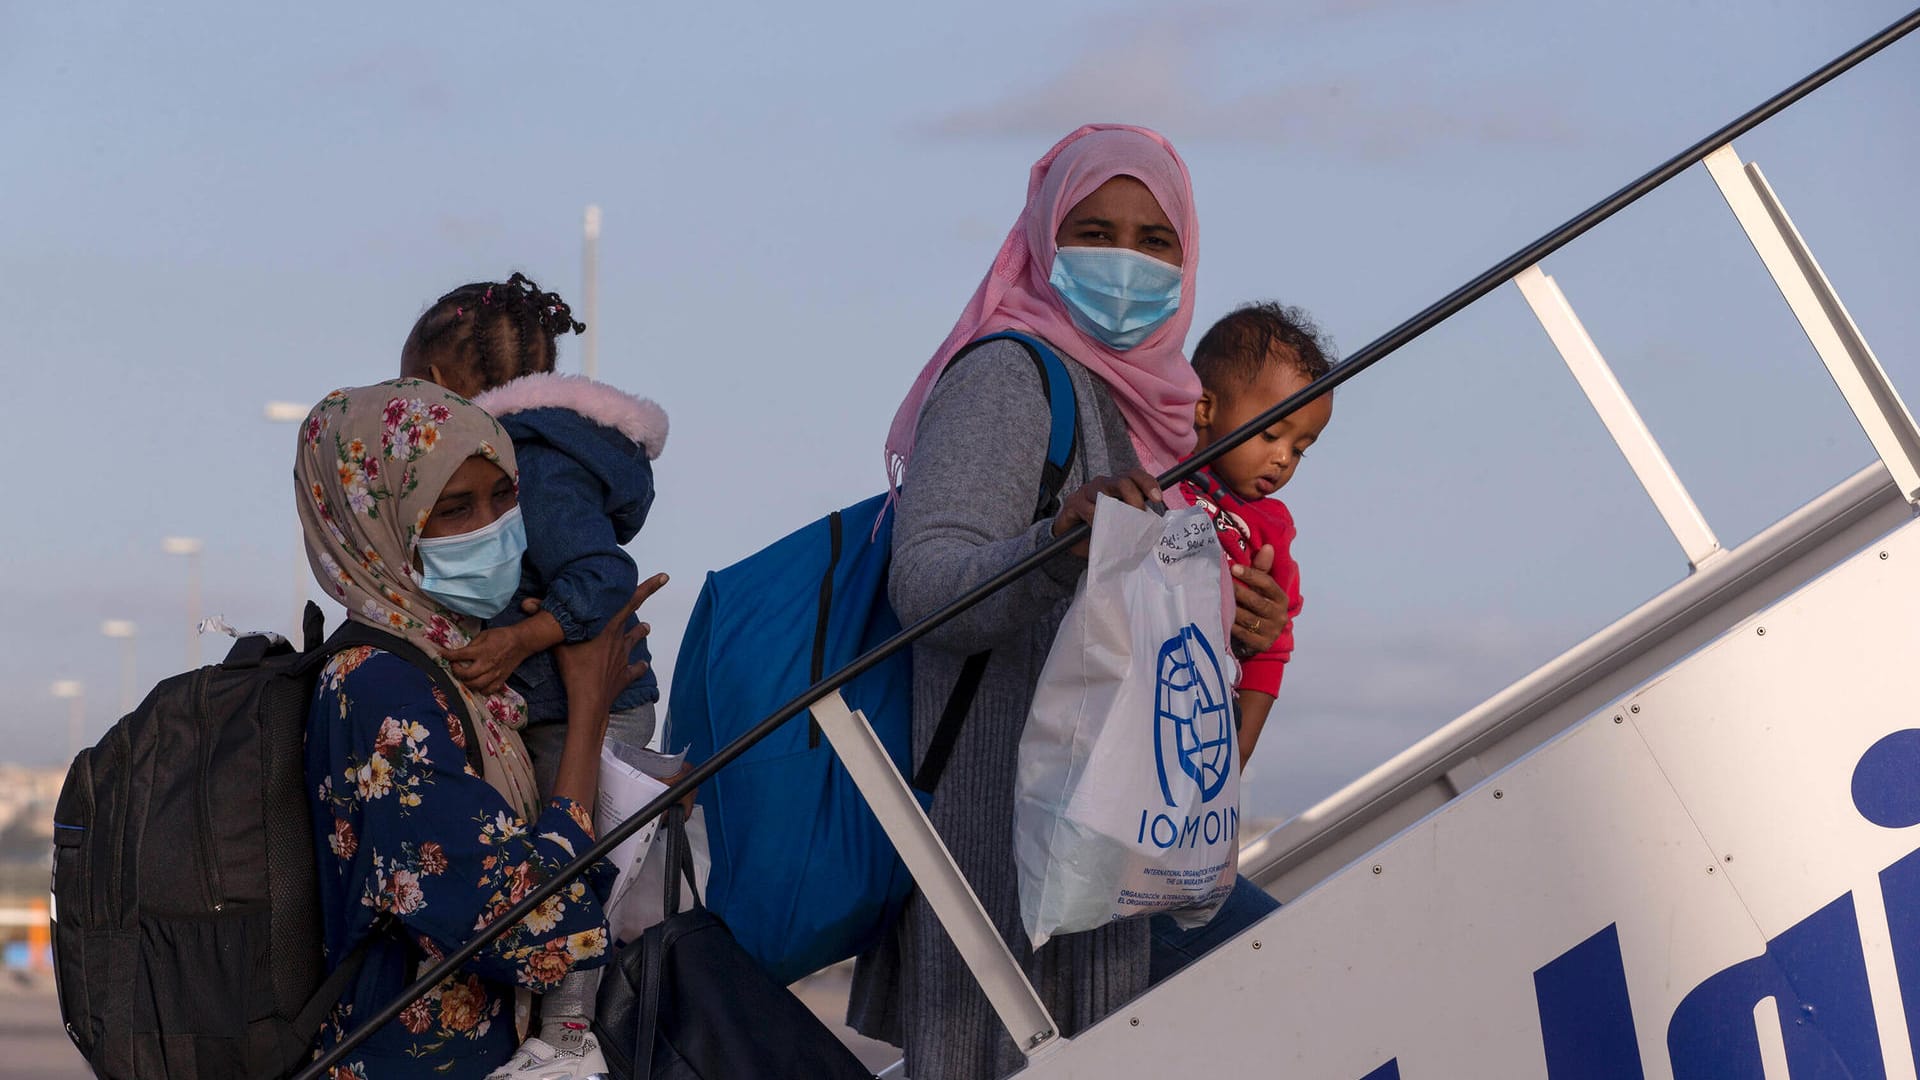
[(1061, 446), (1062, 407)]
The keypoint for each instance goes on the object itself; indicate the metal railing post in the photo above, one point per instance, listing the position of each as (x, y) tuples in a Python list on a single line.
[(1622, 420), (940, 882), (1842, 348)]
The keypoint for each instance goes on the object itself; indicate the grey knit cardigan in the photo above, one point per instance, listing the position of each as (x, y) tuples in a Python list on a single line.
[(965, 513)]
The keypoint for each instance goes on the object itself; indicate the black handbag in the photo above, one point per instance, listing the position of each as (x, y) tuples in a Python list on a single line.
[(686, 1002)]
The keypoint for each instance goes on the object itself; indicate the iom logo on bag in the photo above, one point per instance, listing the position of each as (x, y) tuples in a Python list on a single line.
[(1193, 716)]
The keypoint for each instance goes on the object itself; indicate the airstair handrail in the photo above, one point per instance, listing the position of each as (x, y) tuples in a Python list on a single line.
[(1377, 350)]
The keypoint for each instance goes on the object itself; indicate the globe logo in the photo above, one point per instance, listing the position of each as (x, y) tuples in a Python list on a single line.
[(1193, 717)]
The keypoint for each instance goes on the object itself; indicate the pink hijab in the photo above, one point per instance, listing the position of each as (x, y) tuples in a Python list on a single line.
[(1152, 382)]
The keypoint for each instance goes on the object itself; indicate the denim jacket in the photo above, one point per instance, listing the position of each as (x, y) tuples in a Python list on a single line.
[(586, 454)]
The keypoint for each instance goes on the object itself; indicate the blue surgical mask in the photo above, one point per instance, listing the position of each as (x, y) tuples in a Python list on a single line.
[(475, 573), (1115, 295)]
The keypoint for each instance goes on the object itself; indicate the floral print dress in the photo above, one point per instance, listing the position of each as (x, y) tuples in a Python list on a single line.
[(408, 835)]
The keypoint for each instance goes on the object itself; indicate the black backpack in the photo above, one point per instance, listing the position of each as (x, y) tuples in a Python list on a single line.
[(186, 918)]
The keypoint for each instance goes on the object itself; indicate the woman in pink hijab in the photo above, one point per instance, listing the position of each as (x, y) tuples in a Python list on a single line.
[(1100, 266)]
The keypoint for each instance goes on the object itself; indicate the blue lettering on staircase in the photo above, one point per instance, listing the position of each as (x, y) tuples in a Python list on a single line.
[(1815, 972), (1586, 1020)]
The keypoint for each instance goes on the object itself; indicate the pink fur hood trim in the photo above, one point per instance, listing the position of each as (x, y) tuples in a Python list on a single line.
[(637, 418)]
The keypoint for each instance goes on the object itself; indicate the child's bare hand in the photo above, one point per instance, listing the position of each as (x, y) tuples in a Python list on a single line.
[(1139, 489), (485, 662), (1260, 605)]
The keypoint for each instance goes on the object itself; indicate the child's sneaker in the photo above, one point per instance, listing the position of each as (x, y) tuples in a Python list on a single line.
[(574, 1054)]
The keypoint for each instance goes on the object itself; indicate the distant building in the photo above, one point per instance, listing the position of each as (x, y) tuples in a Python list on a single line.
[(27, 796)]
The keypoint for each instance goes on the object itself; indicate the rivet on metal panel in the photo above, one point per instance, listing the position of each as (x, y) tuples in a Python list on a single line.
[(1760, 630), (1133, 1020), (1619, 719), (1256, 944), (1883, 555), (1498, 794), (1709, 869), (1634, 709), (1727, 859), (1376, 868)]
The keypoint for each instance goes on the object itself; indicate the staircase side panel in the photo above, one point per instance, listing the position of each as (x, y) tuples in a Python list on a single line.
[(1645, 884)]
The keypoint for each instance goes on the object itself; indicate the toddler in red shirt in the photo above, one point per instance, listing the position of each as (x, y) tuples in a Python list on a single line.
[(1252, 359), (1248, 362)]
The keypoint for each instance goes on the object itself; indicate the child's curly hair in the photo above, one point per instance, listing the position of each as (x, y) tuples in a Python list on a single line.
[(494, 332), (1233, 350)]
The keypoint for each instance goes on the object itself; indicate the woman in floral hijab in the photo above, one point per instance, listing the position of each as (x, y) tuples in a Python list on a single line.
[(372, 464), (417, 850)]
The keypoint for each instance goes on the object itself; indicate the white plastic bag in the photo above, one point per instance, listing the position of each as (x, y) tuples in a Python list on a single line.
[(1128, 797)]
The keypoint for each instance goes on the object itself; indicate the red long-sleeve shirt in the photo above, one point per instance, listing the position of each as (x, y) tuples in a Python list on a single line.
[(1244, 528)]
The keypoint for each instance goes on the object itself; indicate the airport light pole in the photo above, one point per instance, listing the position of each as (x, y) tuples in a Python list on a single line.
[(75, 695), (189, 547), (125, 632), (590, 290), (292, 412)]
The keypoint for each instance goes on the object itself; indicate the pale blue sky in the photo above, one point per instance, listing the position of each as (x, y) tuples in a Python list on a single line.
[(207, 209)]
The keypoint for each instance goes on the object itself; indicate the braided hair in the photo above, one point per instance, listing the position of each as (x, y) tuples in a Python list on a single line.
[(490, 333)]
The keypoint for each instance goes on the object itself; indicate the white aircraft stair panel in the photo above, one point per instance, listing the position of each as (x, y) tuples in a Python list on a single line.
[(1420, 959), (1576, 915), (1830, 671), (1795, 743)]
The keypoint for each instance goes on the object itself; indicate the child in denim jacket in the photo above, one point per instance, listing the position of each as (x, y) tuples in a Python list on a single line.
[(585, 451)]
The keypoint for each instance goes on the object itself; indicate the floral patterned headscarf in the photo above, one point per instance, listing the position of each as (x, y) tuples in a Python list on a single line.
[(370, 465)]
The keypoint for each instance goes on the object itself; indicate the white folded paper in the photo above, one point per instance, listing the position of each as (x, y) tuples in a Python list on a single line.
[(628, 783)]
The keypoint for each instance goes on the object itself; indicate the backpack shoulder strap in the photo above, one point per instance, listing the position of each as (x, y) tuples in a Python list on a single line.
[(314, 1012), (1062, 406), (1062, 445), (952, 718), (352, 633)]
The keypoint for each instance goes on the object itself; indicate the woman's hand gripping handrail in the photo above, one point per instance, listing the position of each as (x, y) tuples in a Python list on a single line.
[(1366, 357)]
